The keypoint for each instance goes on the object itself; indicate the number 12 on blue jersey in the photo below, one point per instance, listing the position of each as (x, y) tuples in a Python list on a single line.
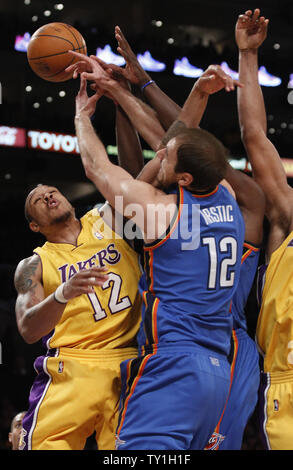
[(221, 272)]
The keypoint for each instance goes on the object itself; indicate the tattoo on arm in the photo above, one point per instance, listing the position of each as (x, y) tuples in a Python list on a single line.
[(23, 279)]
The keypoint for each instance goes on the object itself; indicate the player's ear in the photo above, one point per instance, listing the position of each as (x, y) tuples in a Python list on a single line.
[(10, 437), (185, 179), (34, 226)]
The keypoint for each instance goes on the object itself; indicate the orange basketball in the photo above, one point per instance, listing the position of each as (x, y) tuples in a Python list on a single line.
[(48, 48)]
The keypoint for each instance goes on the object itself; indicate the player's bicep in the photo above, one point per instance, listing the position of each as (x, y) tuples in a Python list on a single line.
[(27, 281)]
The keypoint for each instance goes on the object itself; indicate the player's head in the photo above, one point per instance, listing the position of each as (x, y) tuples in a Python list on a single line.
[(45, 207), (15, 430), (194, 158)]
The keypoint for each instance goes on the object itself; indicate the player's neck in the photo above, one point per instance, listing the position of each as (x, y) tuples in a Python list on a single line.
[(67, 232)]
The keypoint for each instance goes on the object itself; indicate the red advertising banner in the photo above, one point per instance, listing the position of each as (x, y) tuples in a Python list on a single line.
[(12, 136)]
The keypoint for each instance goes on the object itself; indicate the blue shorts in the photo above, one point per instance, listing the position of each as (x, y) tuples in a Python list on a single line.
[(171, 398), (243, 396)]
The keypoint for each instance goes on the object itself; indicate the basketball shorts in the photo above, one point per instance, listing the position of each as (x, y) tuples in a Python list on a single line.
[(243, 395), (171, 398), (75, 393), (276, 410)]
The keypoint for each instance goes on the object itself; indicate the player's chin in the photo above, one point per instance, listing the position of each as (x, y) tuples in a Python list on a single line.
[(59, 218)]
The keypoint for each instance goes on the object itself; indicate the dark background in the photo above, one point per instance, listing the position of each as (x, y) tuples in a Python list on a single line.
[(203, 30)]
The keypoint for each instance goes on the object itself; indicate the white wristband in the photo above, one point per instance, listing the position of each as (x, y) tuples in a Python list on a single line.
[(58, 295)]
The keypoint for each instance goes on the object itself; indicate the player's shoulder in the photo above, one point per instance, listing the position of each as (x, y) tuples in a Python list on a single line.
[(30, 261)]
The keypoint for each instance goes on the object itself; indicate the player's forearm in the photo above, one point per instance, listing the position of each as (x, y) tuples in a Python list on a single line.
[(167, 110), (38, 320), (130, 155), (141, 116), (107, 177), (194, 107), (150, 171), (251, 107), (92, 151)]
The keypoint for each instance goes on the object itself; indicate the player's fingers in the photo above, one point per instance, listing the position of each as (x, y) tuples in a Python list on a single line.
[(89, 76), (89, 282), (238, 84), (100, 62), (123, 53), (256, 13), (122, 38), (82, 57), (83, 82)]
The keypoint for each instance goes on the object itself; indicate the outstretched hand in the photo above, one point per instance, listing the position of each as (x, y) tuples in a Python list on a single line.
[(251, 30), (90, 68), (215, 79), (84, 103), (133, 71)]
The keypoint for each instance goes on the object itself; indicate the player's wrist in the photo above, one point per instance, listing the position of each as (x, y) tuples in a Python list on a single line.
[(146, 83), (59, 295), (81, 115), (248, 49)]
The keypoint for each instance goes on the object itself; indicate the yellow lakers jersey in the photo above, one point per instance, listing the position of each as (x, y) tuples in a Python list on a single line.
[(109, 316), (275, 322)]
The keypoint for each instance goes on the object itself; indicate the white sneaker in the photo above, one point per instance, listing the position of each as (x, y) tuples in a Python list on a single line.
[(108, 56), (266, 79), (184, 68), (228, 71), (149, 63)]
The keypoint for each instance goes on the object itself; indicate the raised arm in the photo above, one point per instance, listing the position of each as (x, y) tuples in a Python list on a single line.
[(268, 171), (167, 110), (130, 155), (36, 315), (131, 197), (247, 192), (211, 81)]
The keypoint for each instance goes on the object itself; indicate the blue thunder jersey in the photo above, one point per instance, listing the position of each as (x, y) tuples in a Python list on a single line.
[(189, 284), (249, 264)]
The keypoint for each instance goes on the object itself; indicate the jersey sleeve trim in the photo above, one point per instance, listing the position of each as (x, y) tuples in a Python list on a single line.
[(173, 225)]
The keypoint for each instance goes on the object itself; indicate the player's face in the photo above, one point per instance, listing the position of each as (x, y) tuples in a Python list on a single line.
[(14, 435), (47, 206), (168, 157)]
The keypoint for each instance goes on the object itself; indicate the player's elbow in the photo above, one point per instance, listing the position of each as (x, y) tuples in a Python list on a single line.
[(89, 170), (27, 333), (252, 134), (28, 336)]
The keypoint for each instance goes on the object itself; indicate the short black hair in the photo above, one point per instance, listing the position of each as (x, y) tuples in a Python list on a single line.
[(26, 209)]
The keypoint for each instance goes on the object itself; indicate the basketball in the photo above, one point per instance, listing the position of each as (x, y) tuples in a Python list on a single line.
[(48, 48)]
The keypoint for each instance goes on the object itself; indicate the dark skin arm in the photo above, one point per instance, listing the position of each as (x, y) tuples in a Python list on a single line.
[(268, 171), (167, 110), (248, 194), (130, 155)]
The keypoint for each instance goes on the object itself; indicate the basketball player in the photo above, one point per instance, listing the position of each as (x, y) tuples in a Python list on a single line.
[(274, 327), (15, 430), (78, 293), (244, 355), (184, 338)]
